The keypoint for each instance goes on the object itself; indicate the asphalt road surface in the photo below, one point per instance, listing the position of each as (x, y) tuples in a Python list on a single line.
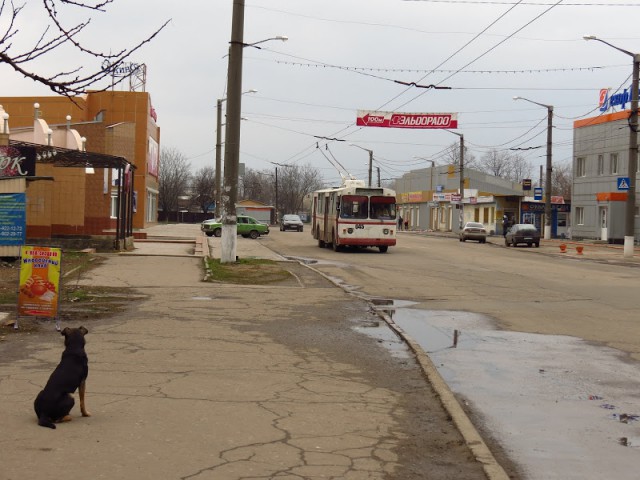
[(547, 343)]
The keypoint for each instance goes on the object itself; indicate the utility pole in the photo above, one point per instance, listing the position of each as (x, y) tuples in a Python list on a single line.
[(370, 166), (218, 185), (547, 186), (232, 136)]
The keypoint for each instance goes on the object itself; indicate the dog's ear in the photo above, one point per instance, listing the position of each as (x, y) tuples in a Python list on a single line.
[(65, 332), (83, 330)]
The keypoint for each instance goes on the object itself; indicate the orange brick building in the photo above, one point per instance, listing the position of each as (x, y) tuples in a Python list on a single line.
[(114, 123)]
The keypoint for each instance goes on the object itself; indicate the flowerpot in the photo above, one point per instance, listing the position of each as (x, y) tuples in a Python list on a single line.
[(579, 249), (563, 248)]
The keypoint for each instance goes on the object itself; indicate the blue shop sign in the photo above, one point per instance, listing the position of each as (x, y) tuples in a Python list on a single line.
[(616, 100), (13, 219)]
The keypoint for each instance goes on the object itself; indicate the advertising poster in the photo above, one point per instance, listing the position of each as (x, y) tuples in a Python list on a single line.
[(39, 281), (13, 218)]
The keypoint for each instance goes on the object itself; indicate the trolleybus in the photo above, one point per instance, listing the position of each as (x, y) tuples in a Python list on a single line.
[(354, 215)]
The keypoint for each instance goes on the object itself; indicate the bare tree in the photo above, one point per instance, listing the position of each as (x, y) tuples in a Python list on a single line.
[(293, 184), (497, 163), (57, 35), (451, 156), (520, 168), (203, 188), (258, 185), (174, 178), (562, 179)]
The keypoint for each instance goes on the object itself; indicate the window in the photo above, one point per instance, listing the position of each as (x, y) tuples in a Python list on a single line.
[(383, 208), (581, 170), (114, 204), (354, 206), (613, 159), (579, 215), (600, 164)]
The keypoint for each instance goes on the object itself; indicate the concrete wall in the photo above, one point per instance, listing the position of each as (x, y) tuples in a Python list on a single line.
[(597, 191)]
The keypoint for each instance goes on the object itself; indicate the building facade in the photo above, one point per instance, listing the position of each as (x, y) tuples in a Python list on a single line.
[(117, 123), (600, 175), (59, 191), (429, 199)]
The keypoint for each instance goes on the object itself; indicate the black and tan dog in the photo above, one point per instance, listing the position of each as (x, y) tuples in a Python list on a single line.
[(54, 403)]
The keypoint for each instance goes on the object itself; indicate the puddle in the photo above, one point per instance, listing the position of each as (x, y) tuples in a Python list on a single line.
[(303, 260), (429, 327), (201, 298), (389, 306), (386, 337), (562, 407)]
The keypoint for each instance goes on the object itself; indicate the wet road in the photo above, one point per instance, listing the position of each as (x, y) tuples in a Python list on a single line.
[(531, 363)]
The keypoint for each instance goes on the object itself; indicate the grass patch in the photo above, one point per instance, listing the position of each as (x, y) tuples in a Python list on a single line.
[(246, 271)]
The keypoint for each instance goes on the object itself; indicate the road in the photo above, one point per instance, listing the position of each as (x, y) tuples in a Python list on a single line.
[(522, 289), (546, 364)]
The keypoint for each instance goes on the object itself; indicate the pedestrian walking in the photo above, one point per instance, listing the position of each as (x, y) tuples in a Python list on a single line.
[(505, 225), (399, 223)]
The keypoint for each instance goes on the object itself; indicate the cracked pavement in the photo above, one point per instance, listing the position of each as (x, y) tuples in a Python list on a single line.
[(213, 381)]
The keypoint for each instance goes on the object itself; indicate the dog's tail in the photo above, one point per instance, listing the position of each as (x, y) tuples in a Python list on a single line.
[(45, 421)]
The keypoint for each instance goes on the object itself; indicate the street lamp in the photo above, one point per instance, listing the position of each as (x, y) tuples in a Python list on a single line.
[(370, 159), (630, 224), (282, 38), (547, 197), (218, 186)]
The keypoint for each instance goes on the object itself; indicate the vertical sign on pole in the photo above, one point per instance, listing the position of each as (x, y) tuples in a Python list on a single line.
[(39, 282)]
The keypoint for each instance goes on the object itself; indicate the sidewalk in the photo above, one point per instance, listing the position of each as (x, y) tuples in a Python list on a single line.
[(217, 381)]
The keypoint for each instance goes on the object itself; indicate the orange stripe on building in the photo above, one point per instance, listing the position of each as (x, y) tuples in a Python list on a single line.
[(611, 196), (609, 117)]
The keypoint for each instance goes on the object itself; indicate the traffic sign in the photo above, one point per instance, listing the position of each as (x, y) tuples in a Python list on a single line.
[(537, 193), (623, 183)]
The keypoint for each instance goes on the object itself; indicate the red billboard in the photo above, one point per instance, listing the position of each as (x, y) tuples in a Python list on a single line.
[(407, 120)]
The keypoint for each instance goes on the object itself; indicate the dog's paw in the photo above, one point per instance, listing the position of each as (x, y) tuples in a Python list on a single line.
[(85, 413)]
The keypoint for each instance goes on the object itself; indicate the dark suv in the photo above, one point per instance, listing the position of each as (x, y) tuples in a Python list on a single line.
[(522, 233), (291, 222)]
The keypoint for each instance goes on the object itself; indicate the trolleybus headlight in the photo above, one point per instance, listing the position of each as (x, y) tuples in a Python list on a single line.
[(385, 231), (350, 230)]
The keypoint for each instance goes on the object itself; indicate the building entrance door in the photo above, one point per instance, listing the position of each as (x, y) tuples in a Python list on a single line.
[(604, 234)]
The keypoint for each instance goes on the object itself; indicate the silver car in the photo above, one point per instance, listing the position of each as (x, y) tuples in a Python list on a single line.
[(473, 231)]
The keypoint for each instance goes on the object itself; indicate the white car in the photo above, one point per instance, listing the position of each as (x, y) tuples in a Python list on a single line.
[(473, 231)]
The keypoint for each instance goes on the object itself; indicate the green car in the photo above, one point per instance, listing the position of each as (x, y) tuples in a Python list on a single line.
[(247, 227)]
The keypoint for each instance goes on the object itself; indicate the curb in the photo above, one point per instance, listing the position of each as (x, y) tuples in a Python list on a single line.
[(472, 437)]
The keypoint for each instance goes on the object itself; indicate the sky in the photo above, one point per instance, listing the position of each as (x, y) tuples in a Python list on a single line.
[(348, 55)]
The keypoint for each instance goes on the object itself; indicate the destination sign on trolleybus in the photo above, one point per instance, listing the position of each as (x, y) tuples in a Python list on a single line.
[(407, 120)]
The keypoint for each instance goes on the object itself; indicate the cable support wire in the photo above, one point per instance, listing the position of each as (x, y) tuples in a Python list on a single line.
[(475, 72), (494, 2), (486, 51)]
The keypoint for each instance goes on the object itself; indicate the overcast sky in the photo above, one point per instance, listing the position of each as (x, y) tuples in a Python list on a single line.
[(344, 55)]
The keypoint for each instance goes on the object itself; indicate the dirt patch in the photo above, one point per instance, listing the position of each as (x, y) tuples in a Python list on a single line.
[(77, 303)]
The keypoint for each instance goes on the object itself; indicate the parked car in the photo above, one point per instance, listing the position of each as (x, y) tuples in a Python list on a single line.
[(522, 233), (473, 231), (247, 227), (291, 222)]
